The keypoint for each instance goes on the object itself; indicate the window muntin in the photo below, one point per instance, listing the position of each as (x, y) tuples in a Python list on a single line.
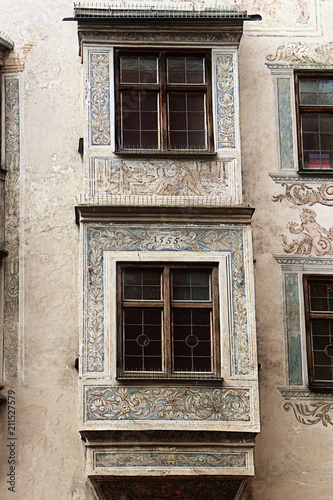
[(164, 102), (315, 122), (168, 321), (319, 325)]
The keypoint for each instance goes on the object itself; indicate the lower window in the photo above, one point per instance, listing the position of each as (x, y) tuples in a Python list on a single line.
[(319, 327), (168, 320)]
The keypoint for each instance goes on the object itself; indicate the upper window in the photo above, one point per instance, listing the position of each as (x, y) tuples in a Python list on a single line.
[(163, 102), (319, 326), (314, 95), (168, 321)]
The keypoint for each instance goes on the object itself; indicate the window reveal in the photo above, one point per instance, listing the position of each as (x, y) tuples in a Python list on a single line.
[(164, 102), (167, 321)]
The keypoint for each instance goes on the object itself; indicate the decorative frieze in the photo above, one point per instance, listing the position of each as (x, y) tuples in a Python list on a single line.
[(167, 404), (301, 52), (162, 36), (167, 460)]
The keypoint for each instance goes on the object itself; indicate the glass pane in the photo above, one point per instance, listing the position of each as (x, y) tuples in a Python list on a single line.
[(138, 69), (191, 284), (185, 70), (142, 332), (192, 340), (322, 341), (187, 121), (316, 92), (142, 284), (321, 297), (317, 141), (139, 120)]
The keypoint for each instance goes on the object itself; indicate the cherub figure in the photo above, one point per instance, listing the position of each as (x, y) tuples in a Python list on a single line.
[(312, 235)]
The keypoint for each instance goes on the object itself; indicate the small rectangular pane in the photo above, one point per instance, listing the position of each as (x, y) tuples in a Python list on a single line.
[(321, 297), (142, 284), (316, 92), (140, 122), (137, 69), (187, 121), (185, 70), (192, 340), (142, 331), (191, 284)]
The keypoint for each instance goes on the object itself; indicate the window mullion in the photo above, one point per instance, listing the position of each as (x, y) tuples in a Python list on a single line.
[(167, 341), (163, 103)]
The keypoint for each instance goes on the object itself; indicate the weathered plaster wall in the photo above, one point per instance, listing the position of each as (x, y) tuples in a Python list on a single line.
[(40, 349)]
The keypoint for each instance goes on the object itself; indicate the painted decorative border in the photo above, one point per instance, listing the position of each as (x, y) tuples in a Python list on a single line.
[(225, 95), (12, 213), (102, 238), (285, 124), (100, 132), (167, 460), (167, 404), (293, 328), (303, 53)]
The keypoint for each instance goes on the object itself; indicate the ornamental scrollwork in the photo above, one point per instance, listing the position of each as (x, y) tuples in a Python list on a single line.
[(303, 53), (163, 36), (311, 413), (225, 100), (302, 194), (165, 459), (100, 99), (168, 404)]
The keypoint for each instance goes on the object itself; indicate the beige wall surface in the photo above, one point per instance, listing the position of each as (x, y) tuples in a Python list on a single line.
[(293, 456)]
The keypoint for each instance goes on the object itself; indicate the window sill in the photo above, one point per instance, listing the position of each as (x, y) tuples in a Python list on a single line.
[(306, 393), (168, 154), (180, 379)]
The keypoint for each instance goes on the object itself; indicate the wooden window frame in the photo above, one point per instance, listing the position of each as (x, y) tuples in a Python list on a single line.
[(309, 109), (309, 317), (163, 89), (167, 305)]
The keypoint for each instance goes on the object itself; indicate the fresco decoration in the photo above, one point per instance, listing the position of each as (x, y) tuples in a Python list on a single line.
[(100, 99), (159, 178), (286, 144), (169, 488), (105, 238), (312, 238), (299, 52), (176, 37), (167, 404), (166, 459), (302, 194), (12, 235), (311, 413), (225, 94)]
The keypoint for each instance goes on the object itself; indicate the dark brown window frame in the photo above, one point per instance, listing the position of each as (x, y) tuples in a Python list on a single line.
[(168, 305), (311, 109), (162, 89), (309, 317)]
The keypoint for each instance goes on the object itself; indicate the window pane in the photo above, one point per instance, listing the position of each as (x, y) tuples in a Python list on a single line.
[(317, 138), (191, 284), (142, 332), (185, 70), (192, 340), (322, 341), (138, 69), (142, 284), (139, 116), (321, 297), (187, 121), (316, 92)]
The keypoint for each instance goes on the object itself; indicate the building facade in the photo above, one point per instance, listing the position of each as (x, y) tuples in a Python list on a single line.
[(166, 258)]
